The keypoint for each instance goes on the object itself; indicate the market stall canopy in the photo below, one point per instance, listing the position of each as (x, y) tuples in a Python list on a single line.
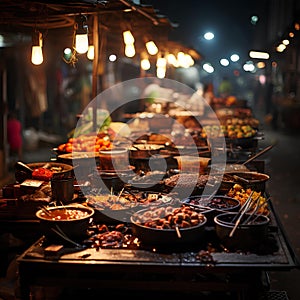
[(56, 19), (22, 17)]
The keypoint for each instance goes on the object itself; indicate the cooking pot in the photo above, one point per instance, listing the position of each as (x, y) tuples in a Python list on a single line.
[(85, 163), (254, 180), (70, 220), (245, 237), (110, 180), (113, 159), (111, 208), (212, 206), (142, 151), (167, 237), (60, 170)]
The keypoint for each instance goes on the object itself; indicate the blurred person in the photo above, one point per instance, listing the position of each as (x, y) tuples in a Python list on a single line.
[(208, 93), (14, 135), (269, 96), (225, 88)]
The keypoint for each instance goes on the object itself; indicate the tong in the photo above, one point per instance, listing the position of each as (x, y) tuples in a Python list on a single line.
[(258, 215), (61, 233), (240, 214)]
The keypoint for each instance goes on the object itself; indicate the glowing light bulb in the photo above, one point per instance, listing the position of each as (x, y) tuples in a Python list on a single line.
[(128, 37), (161, 72), (129, 50), (145, 64), (37, 55), (172, 59), (151, 48), (91, 52), (81, 43)]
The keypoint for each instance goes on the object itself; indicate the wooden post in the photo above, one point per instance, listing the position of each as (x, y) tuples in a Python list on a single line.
[(95, 68)]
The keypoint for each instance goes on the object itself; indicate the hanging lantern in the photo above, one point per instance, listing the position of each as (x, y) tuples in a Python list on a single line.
[(81, 38), (36, 50)]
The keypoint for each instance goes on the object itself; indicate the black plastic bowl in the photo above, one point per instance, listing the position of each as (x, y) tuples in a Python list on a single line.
[(245, 237)]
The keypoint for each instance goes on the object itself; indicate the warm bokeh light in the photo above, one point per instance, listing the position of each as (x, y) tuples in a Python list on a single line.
[(259, 55), (145, 64), (161, 72), (262, 79), (91, 52), (286, 42), (181, 59), (151, 48), (112, 57), (189, 60), (128, 37), (129, 50), (280, 48), (260, 65), (81, 43), (161, 62), (37, 55), (171, 59)]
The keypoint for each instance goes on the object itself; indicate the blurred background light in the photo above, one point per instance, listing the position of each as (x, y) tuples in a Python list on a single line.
[(259, 55), (224, 62), (234, 57), (208, 68), (254, 19), (112, 57), (209, 36)]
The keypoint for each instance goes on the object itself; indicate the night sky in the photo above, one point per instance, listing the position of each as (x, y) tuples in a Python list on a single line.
[(229, 20)]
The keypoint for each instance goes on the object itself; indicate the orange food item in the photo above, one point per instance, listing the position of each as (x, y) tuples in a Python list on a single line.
[(42, 174), (87, 143)]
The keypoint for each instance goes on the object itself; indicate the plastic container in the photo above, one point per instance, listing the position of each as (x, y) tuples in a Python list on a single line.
[(114, 159), (190, 163)]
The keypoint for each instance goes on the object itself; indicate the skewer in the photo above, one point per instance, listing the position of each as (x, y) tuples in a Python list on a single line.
[(178, 231), (120, 193)]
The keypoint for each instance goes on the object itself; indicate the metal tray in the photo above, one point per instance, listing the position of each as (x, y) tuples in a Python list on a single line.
[(275, 254)]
